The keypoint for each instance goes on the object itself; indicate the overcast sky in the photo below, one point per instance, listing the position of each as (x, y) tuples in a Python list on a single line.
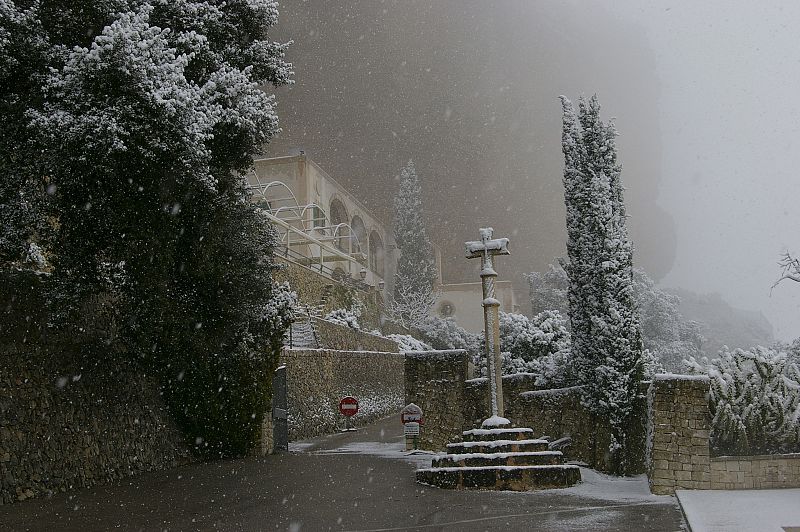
[(730, 118), (706, 99)]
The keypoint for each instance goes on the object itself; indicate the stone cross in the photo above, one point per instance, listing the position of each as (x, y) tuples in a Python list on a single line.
[(485, 249)]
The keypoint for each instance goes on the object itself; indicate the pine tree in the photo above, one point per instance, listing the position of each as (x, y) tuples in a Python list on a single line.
[(606, 340), (416, 267)]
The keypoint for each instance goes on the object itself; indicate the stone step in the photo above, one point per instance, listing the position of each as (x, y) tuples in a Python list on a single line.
[(498, 434), (497, 446), (514, 478), (499, 459)]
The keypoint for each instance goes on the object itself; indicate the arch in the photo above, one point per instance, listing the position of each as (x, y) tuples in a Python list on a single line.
[(358, 245), (376, 253), (339, 217)]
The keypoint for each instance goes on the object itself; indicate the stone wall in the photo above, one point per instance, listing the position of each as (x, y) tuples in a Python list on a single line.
[(318, 378), (755, 472), (558, 413), (66, 430), (342, 338), (678, 434), (436, 382), (311, 286)]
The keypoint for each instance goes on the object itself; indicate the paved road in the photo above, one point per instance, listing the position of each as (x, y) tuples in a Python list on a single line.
[(353, 481)]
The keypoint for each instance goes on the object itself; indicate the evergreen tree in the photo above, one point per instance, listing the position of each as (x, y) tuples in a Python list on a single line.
[(416, 267), (130, 124), (606, 340)]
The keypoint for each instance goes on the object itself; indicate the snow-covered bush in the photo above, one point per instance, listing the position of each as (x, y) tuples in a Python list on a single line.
[(531, 345), (532, 338), (755, 401), (343, 316), (406, 342), (444, 333)]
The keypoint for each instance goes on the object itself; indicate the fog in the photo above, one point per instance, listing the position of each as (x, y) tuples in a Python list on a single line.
[(704, 96)]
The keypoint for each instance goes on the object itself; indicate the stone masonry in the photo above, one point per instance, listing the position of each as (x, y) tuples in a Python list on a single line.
[(755, 472), (678, 434), (436, 382), (65, 430), (318, 378)]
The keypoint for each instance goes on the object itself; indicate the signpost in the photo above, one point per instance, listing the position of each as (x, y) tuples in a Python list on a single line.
[(411, 417), (348, 407)]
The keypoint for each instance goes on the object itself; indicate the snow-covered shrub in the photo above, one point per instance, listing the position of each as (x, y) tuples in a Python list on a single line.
[(444, 333), (755, 401), (532, 338), (525, 343), (406, 342), (554, 370), (343, 316)]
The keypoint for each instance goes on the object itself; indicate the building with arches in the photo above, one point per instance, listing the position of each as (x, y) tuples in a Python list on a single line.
[(321, 224)]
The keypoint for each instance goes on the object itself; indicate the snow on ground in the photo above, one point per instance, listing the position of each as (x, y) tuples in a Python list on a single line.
[(741, 510), (620, 489), (393, 450), (593, 485)]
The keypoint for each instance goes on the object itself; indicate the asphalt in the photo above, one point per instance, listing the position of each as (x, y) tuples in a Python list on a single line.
[(351, 481)]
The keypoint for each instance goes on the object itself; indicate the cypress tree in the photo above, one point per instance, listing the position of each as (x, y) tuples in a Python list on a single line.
[(416, 266), (607, 345)]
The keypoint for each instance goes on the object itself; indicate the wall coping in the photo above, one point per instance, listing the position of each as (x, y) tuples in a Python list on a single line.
[(298, 350), (549, 391), (755, 457), (435, 353), (660, 377)]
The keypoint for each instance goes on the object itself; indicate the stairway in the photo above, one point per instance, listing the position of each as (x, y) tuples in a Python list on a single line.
[(301, 334), (503, 458)]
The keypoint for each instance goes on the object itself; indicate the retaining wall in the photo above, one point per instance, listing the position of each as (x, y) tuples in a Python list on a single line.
[(436, 382), (342, 338), (318, 378), (66, 430)]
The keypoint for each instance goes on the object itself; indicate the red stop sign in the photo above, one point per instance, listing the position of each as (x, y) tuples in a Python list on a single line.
[(348, 406)]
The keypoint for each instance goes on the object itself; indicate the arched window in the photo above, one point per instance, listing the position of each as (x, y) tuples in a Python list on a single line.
[(339, 216), (376, 260), (358, 244)]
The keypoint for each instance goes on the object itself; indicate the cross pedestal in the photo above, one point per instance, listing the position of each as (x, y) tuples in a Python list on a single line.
[(485, 249)]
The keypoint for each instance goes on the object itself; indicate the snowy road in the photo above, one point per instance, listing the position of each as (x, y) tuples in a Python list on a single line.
[(355, 481)]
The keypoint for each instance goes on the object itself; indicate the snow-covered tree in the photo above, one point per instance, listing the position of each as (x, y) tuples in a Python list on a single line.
[(668, 337), (791, 268), (548, 290), (606, 338), (666, 334), (445, 333), (132, 123), (755, 401), (416, 267), (534, 345), (532, 338)]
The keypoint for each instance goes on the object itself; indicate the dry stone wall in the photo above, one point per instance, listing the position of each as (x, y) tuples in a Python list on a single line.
[(60, 431), (342, 338), (318, 378)]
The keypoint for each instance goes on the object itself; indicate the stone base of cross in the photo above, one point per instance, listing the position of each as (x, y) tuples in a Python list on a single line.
[(485, 249)]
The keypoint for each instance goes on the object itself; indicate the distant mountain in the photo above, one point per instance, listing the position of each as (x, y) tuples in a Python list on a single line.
[(722, 324)]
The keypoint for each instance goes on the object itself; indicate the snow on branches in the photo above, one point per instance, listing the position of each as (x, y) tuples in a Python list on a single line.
[(755, 401), (416, 274), (791, 269), (606, 340)]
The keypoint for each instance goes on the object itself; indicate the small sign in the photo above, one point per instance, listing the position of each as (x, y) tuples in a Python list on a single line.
[(348, 406), (411, 429), (411, 414)]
